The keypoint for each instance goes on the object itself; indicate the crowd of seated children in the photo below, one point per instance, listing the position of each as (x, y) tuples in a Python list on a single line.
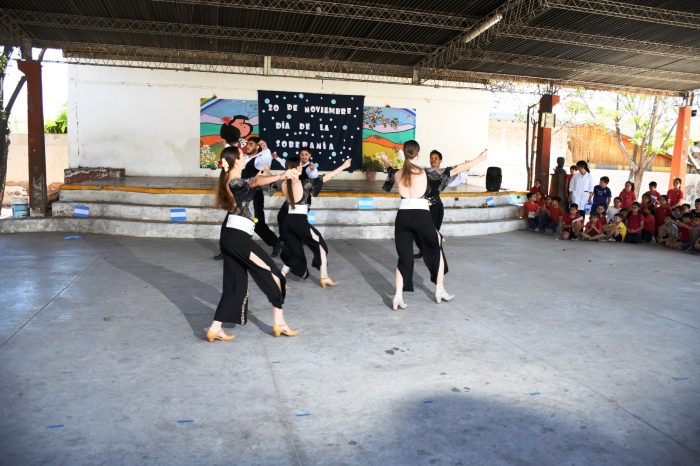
[(657, 218)]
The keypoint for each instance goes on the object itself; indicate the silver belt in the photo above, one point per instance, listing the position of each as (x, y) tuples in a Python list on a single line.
[(414, 204), (246, 225)]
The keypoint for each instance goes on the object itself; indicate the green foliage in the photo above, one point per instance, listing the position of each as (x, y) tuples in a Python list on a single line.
[(373, 162), (60, 124), (376, 117)]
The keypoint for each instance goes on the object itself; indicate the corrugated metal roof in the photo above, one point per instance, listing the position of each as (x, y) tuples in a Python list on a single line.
[(382, 36)]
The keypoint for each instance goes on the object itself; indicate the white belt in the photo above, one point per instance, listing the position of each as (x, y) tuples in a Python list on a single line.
[(302, 209), (240, 223), (419, 204)]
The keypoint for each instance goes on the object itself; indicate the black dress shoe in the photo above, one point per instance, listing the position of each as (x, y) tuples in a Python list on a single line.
[(219, 257), (276, 248)]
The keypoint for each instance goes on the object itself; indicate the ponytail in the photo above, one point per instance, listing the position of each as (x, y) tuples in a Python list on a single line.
[(292, 162), (410, 149), (224, 196)]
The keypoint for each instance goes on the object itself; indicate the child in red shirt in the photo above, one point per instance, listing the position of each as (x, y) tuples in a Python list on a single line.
[(554, 216), (635, 225), (593, 230), (572, 223), (530, 209), (628, 195), (675, 195), (649, 230), (662, 211), (537, 187), (685, 229)]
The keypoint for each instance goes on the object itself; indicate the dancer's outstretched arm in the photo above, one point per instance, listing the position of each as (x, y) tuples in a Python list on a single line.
[(468, 164), (329, 176), (259, 181)]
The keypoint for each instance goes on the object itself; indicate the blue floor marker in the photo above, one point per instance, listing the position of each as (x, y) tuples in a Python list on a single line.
[(302, 414), (275, 362), (678, 379), (54, 426), (74, 237), (535, 393), (428, 401), (185, 421)]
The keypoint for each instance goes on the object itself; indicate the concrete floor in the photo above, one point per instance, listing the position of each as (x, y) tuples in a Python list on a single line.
[(552, 352)]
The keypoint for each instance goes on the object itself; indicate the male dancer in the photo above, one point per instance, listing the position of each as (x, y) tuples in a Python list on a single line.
[(259, 157)]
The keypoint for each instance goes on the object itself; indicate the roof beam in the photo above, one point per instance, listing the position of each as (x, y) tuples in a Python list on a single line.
[(189, 60), (581, 68), (515, 14), (597, 41), (199, 31), (684, 19), (13, 34), (355, 10)]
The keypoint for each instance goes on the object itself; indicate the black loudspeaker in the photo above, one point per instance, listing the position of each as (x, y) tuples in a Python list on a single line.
[(493, 179)]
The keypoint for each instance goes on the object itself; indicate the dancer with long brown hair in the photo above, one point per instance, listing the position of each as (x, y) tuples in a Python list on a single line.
[(296, 229), (414, 222), (242, 256)]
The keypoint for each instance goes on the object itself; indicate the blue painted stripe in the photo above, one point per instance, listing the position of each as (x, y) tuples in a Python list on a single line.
[(365, 203), (312, 218)]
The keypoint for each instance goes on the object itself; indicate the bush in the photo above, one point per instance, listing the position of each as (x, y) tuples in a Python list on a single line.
[(373, 162), (59, 125)]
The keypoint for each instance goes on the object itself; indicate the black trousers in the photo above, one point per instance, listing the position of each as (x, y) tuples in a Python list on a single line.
[(261, 227), (437, 212), (237, 247), (298, 232), (281, 217), (416, 225)]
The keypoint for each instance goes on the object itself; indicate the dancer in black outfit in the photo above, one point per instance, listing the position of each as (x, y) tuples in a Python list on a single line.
[(437, 210), (230, 136), (308, 172), (242, 256), (414, 223), (296, 229), (257, 162)]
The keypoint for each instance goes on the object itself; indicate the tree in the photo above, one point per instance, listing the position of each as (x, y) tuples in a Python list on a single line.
[(645, 119)]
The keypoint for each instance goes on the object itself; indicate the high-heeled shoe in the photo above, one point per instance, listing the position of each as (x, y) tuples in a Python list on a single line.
[(278, 330), (211, 336), (324, 282), (398, 303), (443, 295)]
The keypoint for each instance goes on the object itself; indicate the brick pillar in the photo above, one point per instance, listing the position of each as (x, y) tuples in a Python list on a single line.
[(38, 199), (544, 141), (679, 162)]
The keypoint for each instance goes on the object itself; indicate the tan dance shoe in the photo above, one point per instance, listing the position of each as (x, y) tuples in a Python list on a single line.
[(327, 282), (211, 336), (278, 330)]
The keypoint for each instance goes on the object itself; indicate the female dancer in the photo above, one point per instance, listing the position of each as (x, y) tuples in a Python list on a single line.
[(296, 229), (414, 222), (242, 256)]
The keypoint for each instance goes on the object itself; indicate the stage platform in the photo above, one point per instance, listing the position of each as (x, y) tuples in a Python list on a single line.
[(168, 207)]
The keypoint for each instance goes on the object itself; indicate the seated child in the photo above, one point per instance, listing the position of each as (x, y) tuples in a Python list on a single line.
[(603, 218), (553, 218), (649, 230), (697, 206), (635, 225), (593, 230), (530, 209), (617, 205), (572, 223), (685, 209), (662, 211), (617, 230), (685, 229), (667, 231), (646, 202)]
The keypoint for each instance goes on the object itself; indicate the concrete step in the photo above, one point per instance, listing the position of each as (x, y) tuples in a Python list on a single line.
[(323, 215), (158, 229), (327, 200)]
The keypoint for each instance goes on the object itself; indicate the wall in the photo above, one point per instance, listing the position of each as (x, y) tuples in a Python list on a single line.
[(147, 121)]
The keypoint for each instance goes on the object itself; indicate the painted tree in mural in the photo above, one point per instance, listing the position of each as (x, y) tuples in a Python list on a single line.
[(648, 121), (375, 117), (5, 110)]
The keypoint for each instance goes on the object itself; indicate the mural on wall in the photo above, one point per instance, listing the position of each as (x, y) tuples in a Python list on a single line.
[(385, 129), (213, 113)]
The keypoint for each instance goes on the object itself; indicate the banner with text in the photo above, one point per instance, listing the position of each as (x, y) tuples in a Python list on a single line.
[(329, 124)]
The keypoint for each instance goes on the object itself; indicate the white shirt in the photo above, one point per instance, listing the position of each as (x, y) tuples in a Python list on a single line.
[(309, 172), (580, 187)]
